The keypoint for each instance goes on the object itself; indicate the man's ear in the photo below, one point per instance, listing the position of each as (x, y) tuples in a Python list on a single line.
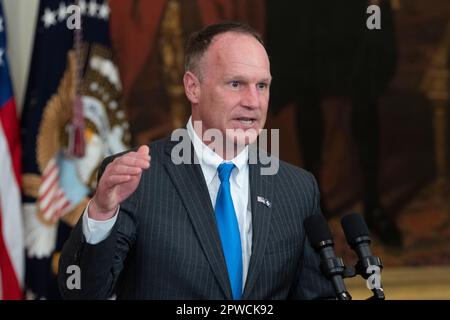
[(191, 87)]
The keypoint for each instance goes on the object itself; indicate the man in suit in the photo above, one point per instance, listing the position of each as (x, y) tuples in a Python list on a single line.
[(212, 229)]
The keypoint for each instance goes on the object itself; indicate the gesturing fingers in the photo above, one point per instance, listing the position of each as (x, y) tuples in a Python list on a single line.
[(125, 167), (137, 159), (144, 150), (119, 169), (134, 161), (121, 177)]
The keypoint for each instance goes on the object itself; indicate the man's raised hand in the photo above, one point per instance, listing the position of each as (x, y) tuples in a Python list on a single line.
[(119, 180)]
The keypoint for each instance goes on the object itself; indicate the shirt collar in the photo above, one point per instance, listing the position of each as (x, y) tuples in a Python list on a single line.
[(210, 161)]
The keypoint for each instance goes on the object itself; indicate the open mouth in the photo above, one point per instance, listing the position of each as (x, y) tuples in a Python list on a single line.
[(246, 121)]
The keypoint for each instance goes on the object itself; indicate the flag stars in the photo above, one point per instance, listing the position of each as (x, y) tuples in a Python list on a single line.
[(62, 11), (93, 7), (104, 11), (48, 18), (82, 5)]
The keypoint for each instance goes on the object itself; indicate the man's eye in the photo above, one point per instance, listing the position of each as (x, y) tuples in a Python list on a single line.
[(262, 85), (234, 84)]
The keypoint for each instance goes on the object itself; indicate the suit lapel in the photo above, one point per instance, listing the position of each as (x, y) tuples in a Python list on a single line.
[(260, 185), (190, 184)]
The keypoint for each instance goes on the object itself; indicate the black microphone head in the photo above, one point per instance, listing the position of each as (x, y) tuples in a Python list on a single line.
[(317, 229), (354, 227)]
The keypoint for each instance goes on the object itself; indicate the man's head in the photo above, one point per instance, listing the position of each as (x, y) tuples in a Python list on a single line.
[(227, 78)]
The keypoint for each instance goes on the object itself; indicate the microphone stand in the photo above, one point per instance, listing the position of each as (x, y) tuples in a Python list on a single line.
[(361, 268), (334, 269), (368, 266), (350, 272)]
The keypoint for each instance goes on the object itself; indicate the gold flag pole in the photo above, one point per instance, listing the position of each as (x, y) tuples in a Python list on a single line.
[(172, 54)]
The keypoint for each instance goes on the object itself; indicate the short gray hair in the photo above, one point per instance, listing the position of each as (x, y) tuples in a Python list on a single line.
[(199, 42)]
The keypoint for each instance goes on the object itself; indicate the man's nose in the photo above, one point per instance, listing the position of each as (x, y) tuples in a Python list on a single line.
[(250, 98)]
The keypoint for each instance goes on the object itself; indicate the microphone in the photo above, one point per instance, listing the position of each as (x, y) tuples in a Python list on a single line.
[(333, 267), (368, 265)]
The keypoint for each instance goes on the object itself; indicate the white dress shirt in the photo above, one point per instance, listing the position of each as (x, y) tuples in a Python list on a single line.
[(96, 231)]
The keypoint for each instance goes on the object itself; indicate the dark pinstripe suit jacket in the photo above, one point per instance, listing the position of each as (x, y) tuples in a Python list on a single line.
[(165, 243)]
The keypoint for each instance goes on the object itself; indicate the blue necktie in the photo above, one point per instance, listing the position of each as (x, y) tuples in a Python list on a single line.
[(229, 230)]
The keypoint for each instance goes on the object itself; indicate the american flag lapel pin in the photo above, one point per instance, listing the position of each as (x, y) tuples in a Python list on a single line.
[(264, 201)]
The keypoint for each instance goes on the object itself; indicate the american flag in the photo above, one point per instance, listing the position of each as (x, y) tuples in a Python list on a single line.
[(55, 184), (11, 234), (52, 199)]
